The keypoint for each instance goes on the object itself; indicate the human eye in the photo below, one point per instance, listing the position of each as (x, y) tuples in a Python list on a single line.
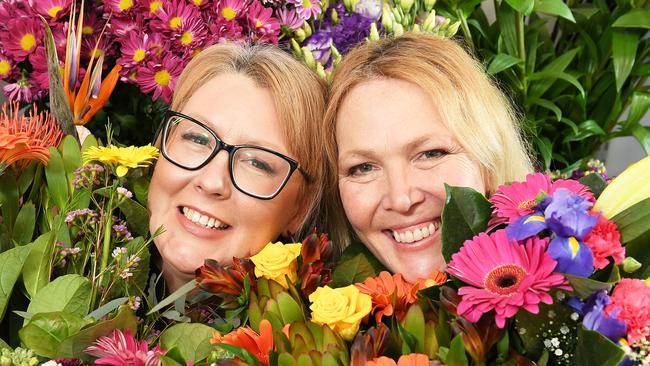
[(196, 138), (360, 170), (258, 160), (433, 154), (260, 165)]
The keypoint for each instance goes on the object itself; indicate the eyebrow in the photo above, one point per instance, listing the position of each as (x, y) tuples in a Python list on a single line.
[(372, 153)]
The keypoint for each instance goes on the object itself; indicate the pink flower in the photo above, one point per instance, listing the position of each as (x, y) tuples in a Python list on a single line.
[(290, 19), (260, 19), (122, 349), (119, 7), (135, 49), (22, 37), (306, 8), (631, 298), (160, 78), (173, 15), (121, 27), (192, 34), (605, 241), (504, 275), (51, 9), (8, 69), (149, 8), (518, 199), (21, 91)]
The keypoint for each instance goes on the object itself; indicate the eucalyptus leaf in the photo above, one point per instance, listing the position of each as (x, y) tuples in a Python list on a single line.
[(25, 223), (466, 214), (57, 183), (356, 264), (594, 349), (555, 7), (192, 340), (46, 331), (69, 293), (36, 273), (11, 264), (635, 18)]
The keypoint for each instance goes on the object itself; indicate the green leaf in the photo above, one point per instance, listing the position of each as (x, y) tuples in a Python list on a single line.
[(57, 184), (25, 223), (103, 310), (46, 331), (69, 293), (639, 105), (88, 142), (594, 349), (290, 310), (192, 340), (137, 216), (634, 225), (414, 324), (534, 328), (554, 7), (182, 291), (36, 273), (635, 18), (507, 28), (522, 6), (558, 65), (586, 129), (11, 263), (586, 10), (553, 76), (502, 62), (9, 196), (595, 182), (73, 346), (58, 97), (26, 177), (356, 264), (243, 354), (584, 287), (456, 355), (545, 149), (642, 134), (466, 214), (71, 153), (547, 104), (624, 45)]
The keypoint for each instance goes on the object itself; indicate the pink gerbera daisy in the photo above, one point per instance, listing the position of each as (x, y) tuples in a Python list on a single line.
[(307, 8), (22, 37), (504, 275), (160, 78), (122, 349), (260, 20), (519, 198), (51, 9), (631, 298)]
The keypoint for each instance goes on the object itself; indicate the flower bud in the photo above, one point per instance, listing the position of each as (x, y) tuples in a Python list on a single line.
[(320, 70), (406, 5), (307, 28), (429, 4), (453, 29), (374, 33), (349, 5), (398, 30), (295, 47), (416, 28), (430, 21), (336, 55), (631, 265), (299, 35), (335, 17), (387, 18), (397, 14)]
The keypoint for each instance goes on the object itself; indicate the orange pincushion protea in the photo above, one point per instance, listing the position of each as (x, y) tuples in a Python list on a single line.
[(26, 138), (414, 359), (392, 294)]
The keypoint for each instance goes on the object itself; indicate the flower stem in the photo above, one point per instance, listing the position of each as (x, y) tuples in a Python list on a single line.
[(465, 27)]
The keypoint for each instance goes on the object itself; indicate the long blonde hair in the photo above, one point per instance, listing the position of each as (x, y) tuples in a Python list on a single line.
[(297, 92), (471, 107)]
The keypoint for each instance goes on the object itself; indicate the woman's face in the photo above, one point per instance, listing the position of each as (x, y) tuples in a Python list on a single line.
[(239, 112), (395, 155)]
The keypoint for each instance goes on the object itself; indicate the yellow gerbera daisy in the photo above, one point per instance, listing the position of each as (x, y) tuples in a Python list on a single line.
[(124, 157)]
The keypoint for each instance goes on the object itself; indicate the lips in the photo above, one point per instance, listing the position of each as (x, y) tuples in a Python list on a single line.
[(203, 219)]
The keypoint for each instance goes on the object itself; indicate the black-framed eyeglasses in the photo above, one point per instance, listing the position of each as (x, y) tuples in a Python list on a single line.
[(254, 170)]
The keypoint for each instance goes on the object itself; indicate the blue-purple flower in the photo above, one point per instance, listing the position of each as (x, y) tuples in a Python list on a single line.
[(573, 257), (596, 319), (320, 45), (567, 215)]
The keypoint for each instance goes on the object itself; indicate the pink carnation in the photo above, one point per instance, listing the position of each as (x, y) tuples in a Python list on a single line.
[(632, 297), (605, 241)]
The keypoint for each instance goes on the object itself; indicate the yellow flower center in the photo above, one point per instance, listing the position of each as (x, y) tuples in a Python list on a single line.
[(27, 42), (258, 23), (98, 52), (133, 76), (5, 67), (154, 6), (87, 30), (125, 4), (306, 4), (138, 55), (186, 38), (175, 22), (228, 13), (54, 11), (162, 77), (197, 2)]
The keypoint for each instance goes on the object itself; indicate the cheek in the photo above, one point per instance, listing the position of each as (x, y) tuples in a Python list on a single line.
[(359, 204), (463, 172)]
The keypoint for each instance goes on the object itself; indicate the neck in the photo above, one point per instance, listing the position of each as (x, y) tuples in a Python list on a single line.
[(173, 278)]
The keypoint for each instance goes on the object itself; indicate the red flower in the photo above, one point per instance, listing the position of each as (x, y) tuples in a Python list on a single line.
[(631, 302), (219, 279), (605, 241), (260, 345)]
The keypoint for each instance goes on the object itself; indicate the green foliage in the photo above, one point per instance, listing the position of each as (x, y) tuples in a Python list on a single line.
[(11, 264), (46, 331), (356, 264), (192, 340), (69, 294), (595, 349)]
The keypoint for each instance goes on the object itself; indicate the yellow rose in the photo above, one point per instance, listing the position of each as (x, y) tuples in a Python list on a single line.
[(276, 261), (340, 308)]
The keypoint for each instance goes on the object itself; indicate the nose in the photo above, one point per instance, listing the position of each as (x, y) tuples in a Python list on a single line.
[(402, 192), (214, 178)]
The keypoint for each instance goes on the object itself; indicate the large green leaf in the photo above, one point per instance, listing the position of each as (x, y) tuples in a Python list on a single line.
[(57, 183), (545, 149), (192, 340), (558, 65), (547, 104), (46, 331), (25, 223), (456, 355), (136, 215), (554, 7), (502, 62), (69, 293), (642, 134), (635, 18), (584, 287), (624, 45), (594, 349), (9, 195), (634, 221), (71, 153), (357, 263), (11, 263), (36, 273), (522, 6), (466, 214), (507, 28), (639, 105)]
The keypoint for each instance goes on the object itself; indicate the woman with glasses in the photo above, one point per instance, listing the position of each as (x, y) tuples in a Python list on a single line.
[(405, 116), (240, 163)]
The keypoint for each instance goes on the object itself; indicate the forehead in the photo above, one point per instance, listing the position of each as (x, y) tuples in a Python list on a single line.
[(239, 111)]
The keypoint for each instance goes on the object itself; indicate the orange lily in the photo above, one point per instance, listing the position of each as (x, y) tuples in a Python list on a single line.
[(93, 92)]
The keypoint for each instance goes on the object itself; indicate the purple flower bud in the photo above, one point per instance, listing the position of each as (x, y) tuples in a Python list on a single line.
[(320, 44)]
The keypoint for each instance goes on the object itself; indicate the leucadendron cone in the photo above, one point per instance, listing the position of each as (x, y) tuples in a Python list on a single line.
[(305, 343), (273, 302)]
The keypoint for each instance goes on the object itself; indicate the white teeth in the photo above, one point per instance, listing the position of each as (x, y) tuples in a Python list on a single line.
[(409, 236), (197, 218)]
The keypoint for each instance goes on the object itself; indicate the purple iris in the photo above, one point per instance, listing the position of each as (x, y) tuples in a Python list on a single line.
[(567, 215), (573, 257), (526, 226), (596, 319), (320, 44)]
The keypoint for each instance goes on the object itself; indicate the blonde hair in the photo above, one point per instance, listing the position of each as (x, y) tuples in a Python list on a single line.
[(471, 107), (297, 92)]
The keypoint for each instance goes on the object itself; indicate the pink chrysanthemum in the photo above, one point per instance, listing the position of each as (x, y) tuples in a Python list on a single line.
[(21, 91), (119, 7), (122, 349), (266, 27), (504, 275), (307, 8), (192, 34), (223, 30), (51, 9), (149, 8), (173, 15), (8, 69), (22, 37), (9, 10), (92, 24), (160, 78), (229, 10), (88, 47), (518, 199), (135, 48), (632, 297), (605, 241), (290, 19), (121, 27)]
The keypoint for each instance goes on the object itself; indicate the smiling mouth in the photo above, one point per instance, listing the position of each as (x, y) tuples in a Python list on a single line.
[(203, 220), (410, 236)]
